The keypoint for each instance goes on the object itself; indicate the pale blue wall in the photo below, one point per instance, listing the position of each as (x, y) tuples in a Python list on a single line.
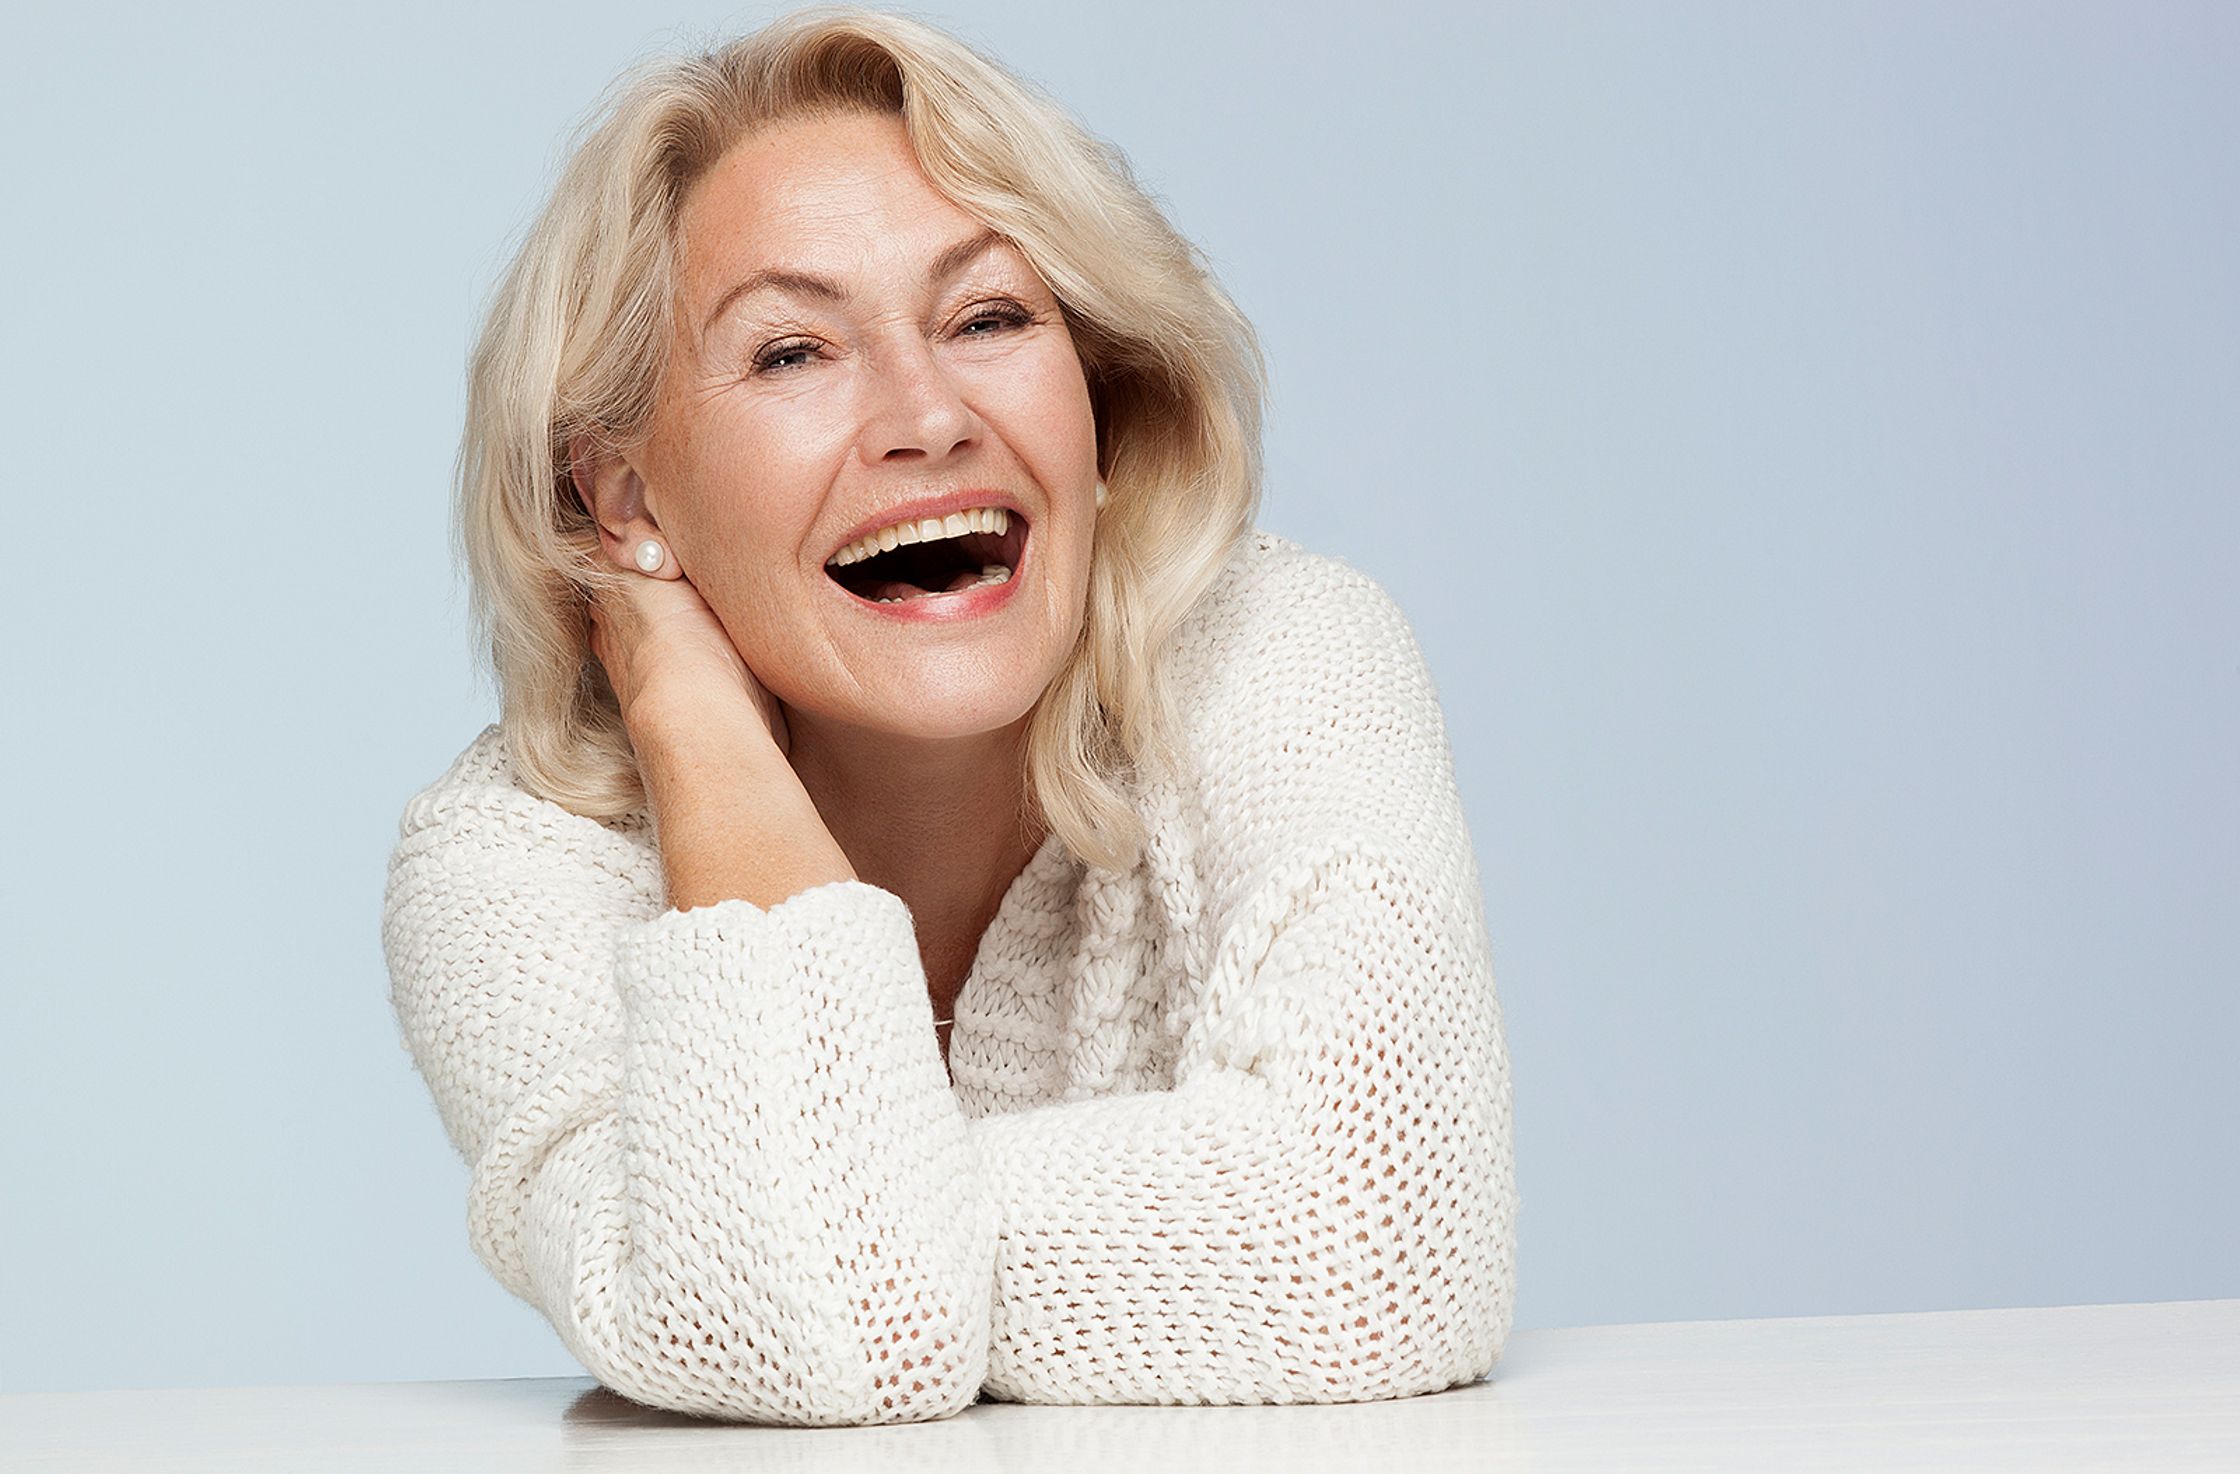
[(1805, 439)]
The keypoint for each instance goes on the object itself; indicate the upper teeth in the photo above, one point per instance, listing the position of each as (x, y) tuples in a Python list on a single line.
[(956, 524)]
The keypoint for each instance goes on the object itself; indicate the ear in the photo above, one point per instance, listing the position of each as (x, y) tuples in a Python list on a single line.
[(613, 493)]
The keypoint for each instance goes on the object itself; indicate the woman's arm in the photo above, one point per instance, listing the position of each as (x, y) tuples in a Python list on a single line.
[(743, 1188), (716, 1148), (1323, 1208), (1325, 1204), (733, 819)]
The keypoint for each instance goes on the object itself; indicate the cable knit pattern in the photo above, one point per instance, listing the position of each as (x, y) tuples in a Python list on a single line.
[(1233, 1126)]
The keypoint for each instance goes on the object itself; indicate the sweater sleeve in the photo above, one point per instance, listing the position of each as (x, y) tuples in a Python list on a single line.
[(715, 1148), (718, 1150), (1321, 1209), (1323, 1205)]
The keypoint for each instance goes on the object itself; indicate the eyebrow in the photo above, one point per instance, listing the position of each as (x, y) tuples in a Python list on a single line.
[(951, 261)]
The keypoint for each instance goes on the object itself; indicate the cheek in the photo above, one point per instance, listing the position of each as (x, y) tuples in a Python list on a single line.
[(1046, 405), (787, 437), (756, 476)]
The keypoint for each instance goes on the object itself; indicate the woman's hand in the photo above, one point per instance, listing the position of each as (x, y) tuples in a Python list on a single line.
[(666, 653)]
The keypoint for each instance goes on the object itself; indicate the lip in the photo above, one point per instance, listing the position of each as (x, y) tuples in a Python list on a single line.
[(932, 506), (965, 604)]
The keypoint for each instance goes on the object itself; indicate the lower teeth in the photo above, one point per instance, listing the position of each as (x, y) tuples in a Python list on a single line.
[(993, 573)]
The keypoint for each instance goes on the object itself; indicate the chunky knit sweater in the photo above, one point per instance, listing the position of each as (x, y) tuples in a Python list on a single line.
[(1232, 1126)]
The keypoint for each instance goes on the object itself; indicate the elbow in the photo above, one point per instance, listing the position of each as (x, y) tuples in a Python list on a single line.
[(914, 1364), (1487, 1306), (1432, 1294), (1463, 1309), (798, 1387), (722, 1331), (854, 1366), (1422, 1335)]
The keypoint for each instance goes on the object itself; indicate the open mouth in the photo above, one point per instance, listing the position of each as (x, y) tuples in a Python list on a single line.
[(946, 565)]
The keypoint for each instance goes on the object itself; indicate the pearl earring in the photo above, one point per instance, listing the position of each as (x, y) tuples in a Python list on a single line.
[(1100, 491), (650, 556)]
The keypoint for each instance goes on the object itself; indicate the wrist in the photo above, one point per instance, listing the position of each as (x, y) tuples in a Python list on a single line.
[(691, 724), (734, 820)]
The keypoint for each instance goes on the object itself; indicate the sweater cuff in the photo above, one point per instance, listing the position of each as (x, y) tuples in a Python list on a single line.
[(844, 946)]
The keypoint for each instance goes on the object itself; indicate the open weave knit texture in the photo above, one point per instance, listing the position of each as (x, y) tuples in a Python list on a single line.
[(1232, 1126)]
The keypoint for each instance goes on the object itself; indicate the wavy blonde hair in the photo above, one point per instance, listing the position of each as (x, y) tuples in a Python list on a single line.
[(577, 333)]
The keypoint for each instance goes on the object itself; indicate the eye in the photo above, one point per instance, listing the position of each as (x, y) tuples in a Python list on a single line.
[(1006, 315), (769, 358), (1010, 314)]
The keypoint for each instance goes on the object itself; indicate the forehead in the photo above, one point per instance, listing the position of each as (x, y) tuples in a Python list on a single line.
[(829, 195)]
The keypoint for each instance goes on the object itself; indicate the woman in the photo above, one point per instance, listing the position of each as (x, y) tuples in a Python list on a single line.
[(1155, 811)]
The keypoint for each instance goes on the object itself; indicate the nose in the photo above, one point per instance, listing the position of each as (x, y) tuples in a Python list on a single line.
[(912, 405)]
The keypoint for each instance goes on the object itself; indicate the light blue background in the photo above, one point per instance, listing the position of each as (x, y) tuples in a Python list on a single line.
[(1805, 439)]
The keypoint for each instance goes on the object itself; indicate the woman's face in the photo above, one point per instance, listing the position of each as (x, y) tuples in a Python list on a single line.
[(791, 417)]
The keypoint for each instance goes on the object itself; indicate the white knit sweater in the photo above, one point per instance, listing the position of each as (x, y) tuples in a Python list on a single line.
[(1231, 1127)]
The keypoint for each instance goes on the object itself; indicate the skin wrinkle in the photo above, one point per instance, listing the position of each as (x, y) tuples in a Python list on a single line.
[(905, 735), (810, 285)]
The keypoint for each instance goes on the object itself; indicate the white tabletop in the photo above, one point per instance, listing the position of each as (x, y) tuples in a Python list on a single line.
[(2118, 1387)]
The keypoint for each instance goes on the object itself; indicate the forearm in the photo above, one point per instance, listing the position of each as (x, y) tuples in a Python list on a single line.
[(715, 1146), (1323, 1206), (733, 819), (846, 1177)]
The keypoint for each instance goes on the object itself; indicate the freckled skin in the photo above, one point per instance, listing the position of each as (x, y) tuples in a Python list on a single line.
[(904, 733)]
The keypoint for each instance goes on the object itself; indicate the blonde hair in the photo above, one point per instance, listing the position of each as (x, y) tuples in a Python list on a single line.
[(576, 335)]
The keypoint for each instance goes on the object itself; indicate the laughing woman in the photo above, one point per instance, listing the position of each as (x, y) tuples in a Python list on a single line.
[(949, 907)]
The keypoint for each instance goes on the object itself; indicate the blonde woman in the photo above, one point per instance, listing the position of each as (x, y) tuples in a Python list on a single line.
[(949, 908)]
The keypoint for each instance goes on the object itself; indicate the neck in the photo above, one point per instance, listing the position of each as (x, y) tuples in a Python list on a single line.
[(934, 820)]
